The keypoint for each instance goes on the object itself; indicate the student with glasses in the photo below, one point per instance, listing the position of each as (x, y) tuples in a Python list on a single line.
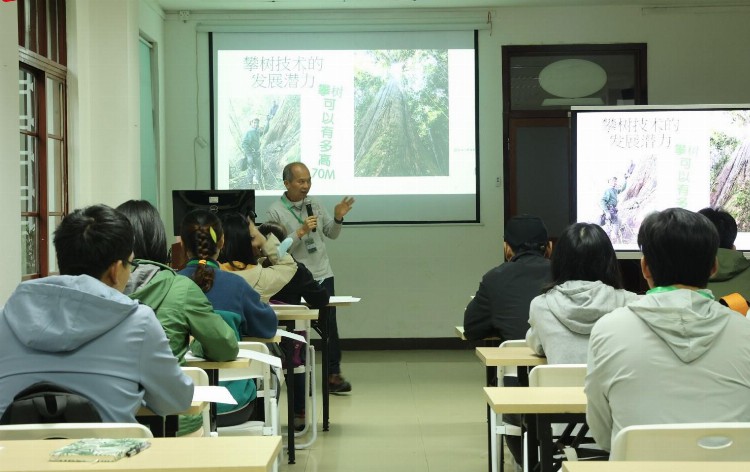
[(80, 332)]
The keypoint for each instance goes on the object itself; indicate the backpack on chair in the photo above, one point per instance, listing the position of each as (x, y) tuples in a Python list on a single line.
[(46, 402)]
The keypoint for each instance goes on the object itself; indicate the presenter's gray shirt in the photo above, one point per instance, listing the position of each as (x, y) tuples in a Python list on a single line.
[(291, 215)]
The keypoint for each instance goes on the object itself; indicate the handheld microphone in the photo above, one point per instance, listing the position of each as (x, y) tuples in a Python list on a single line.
[(309, 211)]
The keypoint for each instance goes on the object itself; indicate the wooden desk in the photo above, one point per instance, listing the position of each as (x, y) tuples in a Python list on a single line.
[(536, 399), (494, 357), (460, 333), (195, 408), (295, 315), (166, 426), (223, 454), (213, 365), (509, 356), (627, 466), (462, 336), (547, 405), (274, 340)]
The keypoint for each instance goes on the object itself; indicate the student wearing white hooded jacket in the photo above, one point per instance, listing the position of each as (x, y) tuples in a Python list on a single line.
[(586, 285), (676, 355)]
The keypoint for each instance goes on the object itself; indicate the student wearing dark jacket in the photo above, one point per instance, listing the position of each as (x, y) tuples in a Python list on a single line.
[(500, 307)]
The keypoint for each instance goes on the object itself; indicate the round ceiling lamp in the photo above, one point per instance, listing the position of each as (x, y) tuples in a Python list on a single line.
[(572, 78)]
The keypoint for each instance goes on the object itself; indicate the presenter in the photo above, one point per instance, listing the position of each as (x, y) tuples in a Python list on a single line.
[(303, 217)]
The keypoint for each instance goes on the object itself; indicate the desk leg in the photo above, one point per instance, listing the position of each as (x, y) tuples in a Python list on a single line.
[(171, 425), (322, 328), (532, 441), (213, 380), (289, 354), (155, 424), (491, 374)]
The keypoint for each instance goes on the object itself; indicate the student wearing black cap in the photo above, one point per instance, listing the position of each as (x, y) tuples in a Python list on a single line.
[(500, 307)]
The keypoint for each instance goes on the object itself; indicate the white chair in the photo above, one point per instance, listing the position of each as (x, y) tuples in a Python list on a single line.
[(200, 379), (707, 442), (497, 426), (558, 375), (572, 438), (267, 390), (73, 431)]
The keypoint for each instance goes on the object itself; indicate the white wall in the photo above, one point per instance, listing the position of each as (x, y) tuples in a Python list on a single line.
[(151, 22), (103, 84), (416, 280), (10, 186)]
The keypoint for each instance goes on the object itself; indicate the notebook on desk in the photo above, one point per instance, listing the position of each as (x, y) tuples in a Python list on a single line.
[(99, 450)]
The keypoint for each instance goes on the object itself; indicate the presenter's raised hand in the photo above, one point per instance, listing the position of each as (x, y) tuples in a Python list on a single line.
[(343, 207)]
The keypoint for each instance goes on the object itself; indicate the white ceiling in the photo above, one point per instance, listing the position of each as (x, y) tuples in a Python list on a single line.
[(239, 5)]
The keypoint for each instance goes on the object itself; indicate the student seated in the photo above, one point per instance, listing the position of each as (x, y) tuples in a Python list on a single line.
[(231, 296), (243, 246), (732, 275), (79, 331), (500, 307), (586, 285), (676, 355), (180, 306)]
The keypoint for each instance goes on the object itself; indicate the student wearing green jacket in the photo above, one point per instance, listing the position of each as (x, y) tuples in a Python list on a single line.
[(733, 274), (180, 305)]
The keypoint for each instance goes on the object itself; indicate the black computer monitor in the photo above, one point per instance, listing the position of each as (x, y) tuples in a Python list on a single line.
[(219, 201)]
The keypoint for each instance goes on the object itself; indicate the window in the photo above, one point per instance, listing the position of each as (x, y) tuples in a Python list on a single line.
[(42, 129)]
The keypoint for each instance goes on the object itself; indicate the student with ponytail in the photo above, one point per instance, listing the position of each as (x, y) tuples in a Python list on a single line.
[(240, 306)]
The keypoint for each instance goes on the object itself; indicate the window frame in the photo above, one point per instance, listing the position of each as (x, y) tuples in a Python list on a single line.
[(48, 40)]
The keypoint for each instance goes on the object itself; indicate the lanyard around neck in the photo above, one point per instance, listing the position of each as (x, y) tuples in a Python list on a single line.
[(285, 201), (672, 288)]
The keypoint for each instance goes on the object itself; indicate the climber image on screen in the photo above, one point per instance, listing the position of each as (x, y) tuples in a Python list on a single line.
[(631, 161)]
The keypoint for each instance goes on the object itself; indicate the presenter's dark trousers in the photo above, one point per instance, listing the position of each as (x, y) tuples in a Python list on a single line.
[(334, 345)]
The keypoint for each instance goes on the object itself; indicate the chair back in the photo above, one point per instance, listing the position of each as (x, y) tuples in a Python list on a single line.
[(73, 431), (558, 375), (509, 371), (705, 442), (200, 379)]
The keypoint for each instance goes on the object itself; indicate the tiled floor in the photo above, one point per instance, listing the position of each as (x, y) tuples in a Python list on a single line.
[(415, 411)]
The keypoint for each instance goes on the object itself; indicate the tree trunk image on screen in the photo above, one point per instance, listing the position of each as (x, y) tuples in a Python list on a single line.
[(730, 189), (730, 172), (401, 114)]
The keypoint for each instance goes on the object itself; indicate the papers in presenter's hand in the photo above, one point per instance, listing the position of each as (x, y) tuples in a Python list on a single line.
[(99, 450)]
